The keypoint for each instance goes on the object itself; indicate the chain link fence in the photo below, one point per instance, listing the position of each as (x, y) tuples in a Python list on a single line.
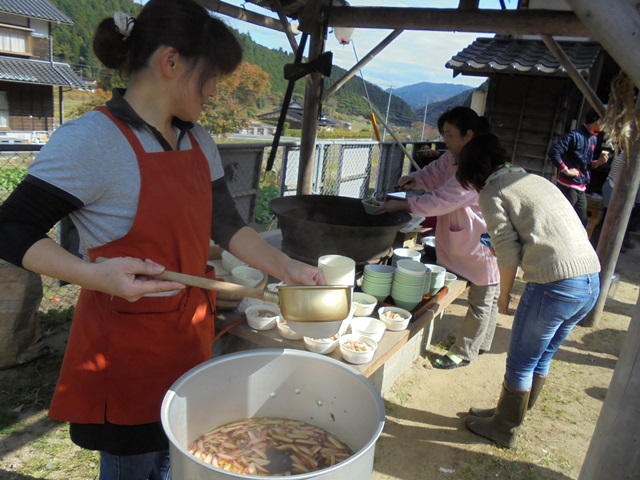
[(347, 168)]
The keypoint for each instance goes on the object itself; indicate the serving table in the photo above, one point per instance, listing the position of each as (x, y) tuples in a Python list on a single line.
[(396, 351)]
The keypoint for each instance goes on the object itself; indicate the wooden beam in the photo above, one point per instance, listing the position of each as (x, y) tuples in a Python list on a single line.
[(514, 22), (573, 73), (241, 14), (468, 4), (616, 27), (358, 66)]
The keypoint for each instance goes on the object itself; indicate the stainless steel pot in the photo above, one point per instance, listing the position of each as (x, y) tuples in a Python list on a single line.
[(274, 383)]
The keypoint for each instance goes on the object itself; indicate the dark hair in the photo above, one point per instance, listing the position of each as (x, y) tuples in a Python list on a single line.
[(479, 158), (182, 24), (464, 119), (591, 116)]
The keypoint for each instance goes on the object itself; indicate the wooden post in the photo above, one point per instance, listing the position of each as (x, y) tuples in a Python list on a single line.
[(241, 14), (615, 223), (616, 28), (312, 106), (613, 452), (573, 73)]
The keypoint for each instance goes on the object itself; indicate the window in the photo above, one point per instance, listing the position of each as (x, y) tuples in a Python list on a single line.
[(15, 40), (4, 110)]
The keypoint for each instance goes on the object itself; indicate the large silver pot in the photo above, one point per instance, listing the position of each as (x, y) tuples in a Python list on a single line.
[(274, 383)]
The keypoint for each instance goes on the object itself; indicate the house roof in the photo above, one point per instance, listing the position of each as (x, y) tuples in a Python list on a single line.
[(39, 73), (35, 9), (510, 55)]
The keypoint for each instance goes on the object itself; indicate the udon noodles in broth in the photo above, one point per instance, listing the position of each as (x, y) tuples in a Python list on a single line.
[(269, 446)]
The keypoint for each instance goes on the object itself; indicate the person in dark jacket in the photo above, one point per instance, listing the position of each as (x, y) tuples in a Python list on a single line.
[(573, 157)]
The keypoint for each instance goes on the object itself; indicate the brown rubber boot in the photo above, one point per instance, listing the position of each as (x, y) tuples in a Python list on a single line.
[(536, 387), (503, 427)]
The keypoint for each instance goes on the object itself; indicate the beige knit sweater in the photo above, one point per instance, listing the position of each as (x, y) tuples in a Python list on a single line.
[(532, 225)]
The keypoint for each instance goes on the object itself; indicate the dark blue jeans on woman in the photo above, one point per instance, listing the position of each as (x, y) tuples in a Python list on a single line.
[(546, 315), (145, 466)]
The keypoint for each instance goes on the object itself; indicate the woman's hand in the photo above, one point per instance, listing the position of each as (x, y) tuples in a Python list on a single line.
[(503, 303), (130, 278), (572, 172), (391, 206), (406, 182), (298, 273)]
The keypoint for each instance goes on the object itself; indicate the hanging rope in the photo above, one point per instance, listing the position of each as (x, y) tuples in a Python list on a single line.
[(372, 115)]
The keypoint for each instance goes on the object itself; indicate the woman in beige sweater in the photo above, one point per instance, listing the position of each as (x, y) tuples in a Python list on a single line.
[(534, 227)]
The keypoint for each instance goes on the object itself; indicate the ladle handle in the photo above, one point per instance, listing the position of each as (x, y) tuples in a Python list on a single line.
[(233, 290)]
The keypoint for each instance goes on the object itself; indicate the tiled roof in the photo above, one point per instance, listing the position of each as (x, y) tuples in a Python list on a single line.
[(35, 9), (509, 55), (38, 72)]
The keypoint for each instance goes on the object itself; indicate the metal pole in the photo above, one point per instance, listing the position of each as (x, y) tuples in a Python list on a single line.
[(386, 117), (424, 120)]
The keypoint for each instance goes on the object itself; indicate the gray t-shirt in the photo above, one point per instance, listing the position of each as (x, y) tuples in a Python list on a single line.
[(90, 159)]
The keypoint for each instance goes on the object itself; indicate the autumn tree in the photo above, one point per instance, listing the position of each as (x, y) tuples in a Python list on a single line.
[(235, 102)]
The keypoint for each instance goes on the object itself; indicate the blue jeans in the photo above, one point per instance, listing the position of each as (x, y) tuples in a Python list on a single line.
[(145, 466), (546, 315)]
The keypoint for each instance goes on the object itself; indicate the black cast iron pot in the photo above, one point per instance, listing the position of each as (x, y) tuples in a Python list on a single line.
[(316, 225)]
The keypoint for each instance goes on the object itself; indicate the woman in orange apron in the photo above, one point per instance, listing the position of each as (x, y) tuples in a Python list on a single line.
[(144, 185)]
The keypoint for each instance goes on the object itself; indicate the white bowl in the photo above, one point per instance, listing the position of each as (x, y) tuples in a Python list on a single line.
[(322, 329), (370, 205), (285, 330), (353, 356), (364, 303), (229, 261), (247, 276), (262, 317), (394, 318), (368, 327), (323, 346)]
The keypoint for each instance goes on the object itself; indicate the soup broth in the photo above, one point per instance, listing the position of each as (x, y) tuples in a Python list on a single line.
[(269, 446)]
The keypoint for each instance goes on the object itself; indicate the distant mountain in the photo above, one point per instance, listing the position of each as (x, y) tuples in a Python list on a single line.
[(416, 94), (435, 109)]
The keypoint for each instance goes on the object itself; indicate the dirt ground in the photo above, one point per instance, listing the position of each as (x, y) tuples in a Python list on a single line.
[(424, 436)]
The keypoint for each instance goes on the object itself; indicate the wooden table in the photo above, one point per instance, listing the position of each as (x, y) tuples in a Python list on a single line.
[(396, 351)]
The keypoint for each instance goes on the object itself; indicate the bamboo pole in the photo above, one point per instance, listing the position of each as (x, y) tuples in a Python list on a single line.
[(358, 66)]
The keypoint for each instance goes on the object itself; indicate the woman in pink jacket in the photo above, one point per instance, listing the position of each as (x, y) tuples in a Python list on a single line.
[(460, 225)]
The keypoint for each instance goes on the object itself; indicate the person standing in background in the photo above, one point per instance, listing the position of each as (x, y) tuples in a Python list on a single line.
[(532, 226), (573, 157), (458, 235)]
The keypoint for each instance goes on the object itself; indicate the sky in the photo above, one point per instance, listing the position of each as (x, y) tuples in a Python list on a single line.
[(413, 57)]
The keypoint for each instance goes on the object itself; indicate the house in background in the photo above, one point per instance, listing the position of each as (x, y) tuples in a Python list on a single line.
[(531, 101), (28, 74)]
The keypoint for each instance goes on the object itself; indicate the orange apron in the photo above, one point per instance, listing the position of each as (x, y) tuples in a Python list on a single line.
[(123, 356)]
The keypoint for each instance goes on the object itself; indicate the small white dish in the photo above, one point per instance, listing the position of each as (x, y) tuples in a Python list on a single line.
[(394, 318), (247, 276), (323, 346), (229, 261), (364, 304), (285, 330), (368, 327), (357, 349), (262, 317)]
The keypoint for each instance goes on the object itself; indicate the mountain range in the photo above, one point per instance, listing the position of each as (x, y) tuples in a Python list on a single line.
[(418, 94), (73, 45)]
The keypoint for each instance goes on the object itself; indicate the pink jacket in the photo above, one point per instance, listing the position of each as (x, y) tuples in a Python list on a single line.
[(460, 222)]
